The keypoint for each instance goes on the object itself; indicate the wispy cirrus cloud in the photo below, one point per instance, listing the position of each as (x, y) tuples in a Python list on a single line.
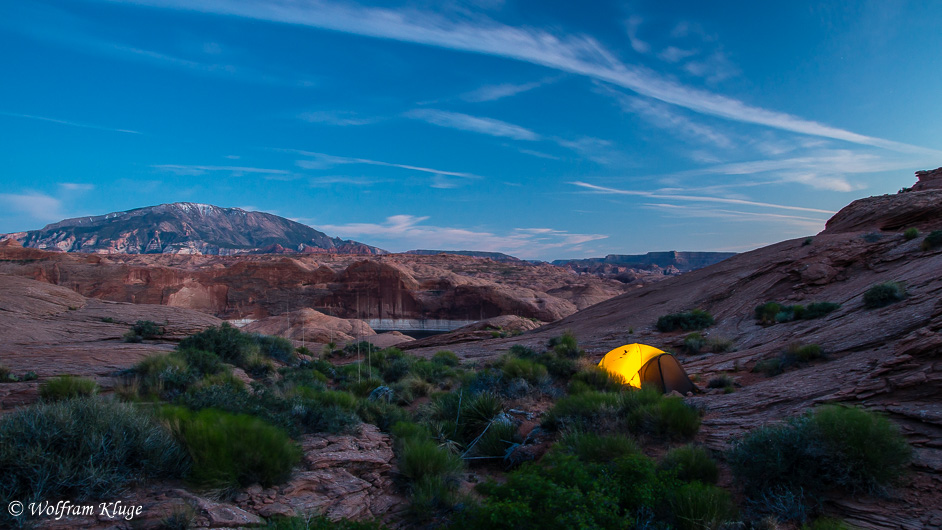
[(694, 198), (35, 206), (323, 161), (235, 171), (664, 117), (336, 117), (404, 232), (578, 54), (466, 122), (503, 90), (67, 122), (678, 210)]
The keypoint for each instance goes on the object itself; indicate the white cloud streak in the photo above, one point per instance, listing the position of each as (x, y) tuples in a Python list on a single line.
[(323, 161), (695, 198), (578, 54), (406, 232), (501, 91), (194, 170), (465, 122), (37, 206), (67, 122)]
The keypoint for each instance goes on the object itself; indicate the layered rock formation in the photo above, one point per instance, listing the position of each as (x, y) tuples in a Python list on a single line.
[(388, 287), (642, 269), (186, 228)]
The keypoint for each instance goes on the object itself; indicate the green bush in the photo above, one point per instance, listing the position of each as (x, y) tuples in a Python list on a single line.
[(933, 240), (566, 346), (588, 411), (422, 459), (495, 440), (884, 294), (562, 491), (445, 357), (687, 321), (82, 449), (644, 411), (600, 448), (159, 375), (795, 355), (833, 447), (321, 522), (67, 387), (596, 378), (232, 450), (532, 372), (773, 312), (668, 418), (698, 506), (827, 523), (691, 463), (720, 381), (201, 363), (147, 329), (910, 234), (523, 352)]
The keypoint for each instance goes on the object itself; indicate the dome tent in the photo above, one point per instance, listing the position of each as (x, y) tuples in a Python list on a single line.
[(642, 364)]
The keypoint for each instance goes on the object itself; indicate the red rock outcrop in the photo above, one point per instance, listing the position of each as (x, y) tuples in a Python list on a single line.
[(388, 287), (308, 325)]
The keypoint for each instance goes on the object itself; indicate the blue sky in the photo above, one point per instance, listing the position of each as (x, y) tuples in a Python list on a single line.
[(544, 129)]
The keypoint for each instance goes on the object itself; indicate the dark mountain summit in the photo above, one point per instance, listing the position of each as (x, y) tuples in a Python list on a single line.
[(187, 228)]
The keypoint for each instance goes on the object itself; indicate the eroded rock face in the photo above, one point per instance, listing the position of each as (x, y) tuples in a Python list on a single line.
[(447, 287), (308, 325), (928, 180), (341, 477)]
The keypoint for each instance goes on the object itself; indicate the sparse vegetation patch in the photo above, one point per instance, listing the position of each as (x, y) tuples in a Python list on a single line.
[(687, 321), (884, 294)]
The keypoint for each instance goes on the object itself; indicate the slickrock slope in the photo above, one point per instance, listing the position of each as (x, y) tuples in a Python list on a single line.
[(51, 330), (887, 359), (187, 228), (390, 286)]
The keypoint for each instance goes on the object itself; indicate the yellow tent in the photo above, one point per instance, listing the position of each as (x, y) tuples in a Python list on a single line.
[(640, 363)]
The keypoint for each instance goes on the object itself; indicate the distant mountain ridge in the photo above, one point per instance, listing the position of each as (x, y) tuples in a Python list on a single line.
[(682, 261), (187, 228)]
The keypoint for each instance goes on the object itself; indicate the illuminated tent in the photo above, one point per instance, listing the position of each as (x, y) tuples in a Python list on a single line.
[(642, 364)]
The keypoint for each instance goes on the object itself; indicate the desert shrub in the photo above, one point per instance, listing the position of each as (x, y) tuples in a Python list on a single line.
[(770, 367), (277, 348), (644, 411), (532, 372), (670, 418), (819, 309), (766, 312), (162, 374), (872, 237), (562, 491), (600, 448), (5, 374), (147, 329), (773, 312), (792, 464), (587, 411), (232, 450), (910, 234), (420, 458), (230, 344), (523, 352), (306, 411), (597, 378), (467, 414), (566, 346), (201, 363), (687, 321), (67, 387), (495, 441), (698, 506), (720, 381), (884, 294), (691, 463), (933, 240), (807, 241), (445, 357), (559, 366), (383, 415), (694, 342), (81, 449), (803, 352)]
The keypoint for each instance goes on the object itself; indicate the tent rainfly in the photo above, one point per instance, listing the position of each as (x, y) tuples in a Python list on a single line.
[(642, 364)]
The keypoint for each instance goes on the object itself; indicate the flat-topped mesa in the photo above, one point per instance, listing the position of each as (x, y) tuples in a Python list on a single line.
[(928, 180), (918, 207)]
